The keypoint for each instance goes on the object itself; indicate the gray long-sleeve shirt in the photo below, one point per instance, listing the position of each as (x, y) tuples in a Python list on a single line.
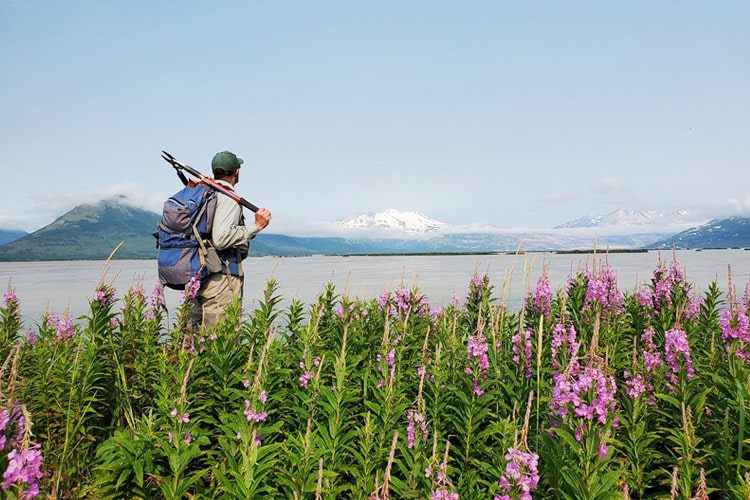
[(227, 231)]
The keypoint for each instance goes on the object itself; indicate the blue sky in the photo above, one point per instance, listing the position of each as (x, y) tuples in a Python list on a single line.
[(505, 113)]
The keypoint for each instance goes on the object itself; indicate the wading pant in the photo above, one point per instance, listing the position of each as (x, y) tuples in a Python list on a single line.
[(217, 292)]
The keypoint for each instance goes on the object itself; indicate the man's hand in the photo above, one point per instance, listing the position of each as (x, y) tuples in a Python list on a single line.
[(262, 218)]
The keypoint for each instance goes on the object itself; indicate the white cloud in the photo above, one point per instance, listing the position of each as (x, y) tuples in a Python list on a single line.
[(47, 207)]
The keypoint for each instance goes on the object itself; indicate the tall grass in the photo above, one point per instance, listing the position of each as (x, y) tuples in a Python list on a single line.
[(585, 392)]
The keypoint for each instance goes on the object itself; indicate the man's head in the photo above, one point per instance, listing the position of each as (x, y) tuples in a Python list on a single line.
[(226, 166)]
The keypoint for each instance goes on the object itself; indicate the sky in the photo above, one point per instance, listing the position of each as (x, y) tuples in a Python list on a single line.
[(514, 114)]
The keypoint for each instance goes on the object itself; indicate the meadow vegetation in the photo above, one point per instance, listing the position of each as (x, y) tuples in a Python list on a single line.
[(585, 392)]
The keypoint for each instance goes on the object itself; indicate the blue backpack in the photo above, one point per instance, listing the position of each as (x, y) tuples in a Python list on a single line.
[(183, 237)]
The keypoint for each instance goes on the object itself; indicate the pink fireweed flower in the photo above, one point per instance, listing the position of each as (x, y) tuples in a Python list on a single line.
[(478, 287), (262, 397), (652, 359), (521, 474), (191, 288), (443, 495), (254, 415), (588, 397), (417, 427), (114, 322), (735, 332), (4, 418), (188, 438), (635, 386), (64, 329), (602, 289), (157, 296), (105, 295), (307, 375), (603, 450), (246, 383), (540, 299), (693, 308), (677, 346), (24, 468), (521, 350), (562, 337), (644, 297), (10, 298), (32, 336), (479, 363), (305, 378), (455, 300), (383, 300)]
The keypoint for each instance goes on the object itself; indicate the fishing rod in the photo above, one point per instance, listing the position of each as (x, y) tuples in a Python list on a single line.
[(208, 181)]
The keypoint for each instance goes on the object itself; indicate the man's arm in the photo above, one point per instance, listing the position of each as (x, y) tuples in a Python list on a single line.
[(226, 231)]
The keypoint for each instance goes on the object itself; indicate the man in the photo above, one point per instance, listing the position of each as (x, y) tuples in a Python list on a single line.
[(231, 238)]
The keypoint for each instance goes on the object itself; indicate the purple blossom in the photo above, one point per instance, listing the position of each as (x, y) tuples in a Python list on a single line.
[(64, 329), (735, 332), (602, 289), (188, 438), (521, 350), (587, 397), (644, 297), (157, 296), (32, 336), (443, 495), (262, 397), (114, 322), (676, 347), (4, 419), (562, 337), (307, 375), (635, 386), (10, 298), (540, 299), (105, 295), (652, 359), (417, 427), (192, 288), (693, 308), (479, 363), (24, 468), (383, 300), (254, 415), (603, 450), (521, 474)]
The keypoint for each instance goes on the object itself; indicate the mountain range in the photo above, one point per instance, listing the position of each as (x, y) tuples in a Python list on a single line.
[(733, 232), (627, 217), (91, 232)]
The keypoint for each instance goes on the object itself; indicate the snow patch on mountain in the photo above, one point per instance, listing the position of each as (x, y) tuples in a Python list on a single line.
[(629, 217), (394, 220)]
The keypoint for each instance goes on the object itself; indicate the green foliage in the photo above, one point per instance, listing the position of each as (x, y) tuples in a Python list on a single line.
[(345, 398)]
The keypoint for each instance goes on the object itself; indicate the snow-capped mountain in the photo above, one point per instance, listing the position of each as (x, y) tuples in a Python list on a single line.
[(626, 217), (391, 219)]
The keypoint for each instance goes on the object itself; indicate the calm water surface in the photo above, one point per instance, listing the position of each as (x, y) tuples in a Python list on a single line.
[(68, 285)]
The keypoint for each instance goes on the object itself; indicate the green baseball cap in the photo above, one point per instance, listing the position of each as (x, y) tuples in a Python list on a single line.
[(225, 163)]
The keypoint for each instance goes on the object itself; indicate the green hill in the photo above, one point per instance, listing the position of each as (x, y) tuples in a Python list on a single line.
[(89, 232), (733, 232), (8, 235)]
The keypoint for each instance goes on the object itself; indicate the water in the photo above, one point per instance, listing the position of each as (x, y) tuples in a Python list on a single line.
[(63, 285)]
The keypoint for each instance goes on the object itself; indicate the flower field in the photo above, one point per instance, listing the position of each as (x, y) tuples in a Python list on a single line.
[(587, 392)]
